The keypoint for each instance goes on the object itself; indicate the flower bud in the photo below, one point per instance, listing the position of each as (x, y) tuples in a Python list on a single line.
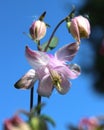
[(38, 124), (38, 30), (15, 123), (79, 27)]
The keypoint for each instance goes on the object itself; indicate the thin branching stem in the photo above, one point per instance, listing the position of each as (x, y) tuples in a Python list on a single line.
[(54, 33), (31, 98), (57, 26), (38, 103)]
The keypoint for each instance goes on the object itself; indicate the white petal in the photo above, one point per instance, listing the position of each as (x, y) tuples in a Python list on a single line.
[(27, 81), (36, 59), (67, 52), (45, 86)]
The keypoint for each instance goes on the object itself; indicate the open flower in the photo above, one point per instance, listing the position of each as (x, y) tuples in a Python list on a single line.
[(79, 27), (52, 71), (38, 30)]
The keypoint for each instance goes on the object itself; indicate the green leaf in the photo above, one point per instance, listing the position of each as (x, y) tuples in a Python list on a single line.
[(48, 119), (52, 44)]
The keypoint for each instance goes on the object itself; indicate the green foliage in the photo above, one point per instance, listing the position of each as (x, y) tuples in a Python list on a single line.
[(37, 123), (52, 45), (48, 119)]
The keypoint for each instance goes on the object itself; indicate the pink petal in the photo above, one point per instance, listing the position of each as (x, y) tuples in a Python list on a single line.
[(27, 81), (74, 29), (67, 52), (36, 59), (84, 23), (67, 72), (45, 86), (41, 72)]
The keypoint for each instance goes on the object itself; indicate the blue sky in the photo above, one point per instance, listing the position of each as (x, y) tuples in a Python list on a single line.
[(16, 18)]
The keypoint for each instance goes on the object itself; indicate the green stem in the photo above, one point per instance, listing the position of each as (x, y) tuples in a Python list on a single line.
[(39, 97), (54, 33), (38, 103), (57, 26), (31, 98)]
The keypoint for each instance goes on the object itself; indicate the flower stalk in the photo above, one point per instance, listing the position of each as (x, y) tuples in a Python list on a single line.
[(57, 26), (31, 98), (38, 103)]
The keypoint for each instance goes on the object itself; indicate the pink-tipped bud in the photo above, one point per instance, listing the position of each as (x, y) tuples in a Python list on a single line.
[(79, 27), (38, 30), (15, 123)]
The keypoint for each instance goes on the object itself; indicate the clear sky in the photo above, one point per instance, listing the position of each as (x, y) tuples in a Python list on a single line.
[(16, 18)]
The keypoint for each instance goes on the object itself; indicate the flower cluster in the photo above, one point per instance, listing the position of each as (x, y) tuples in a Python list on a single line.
[(53, 71)]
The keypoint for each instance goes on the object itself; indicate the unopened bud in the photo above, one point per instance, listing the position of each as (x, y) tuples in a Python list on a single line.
[(38, 124), (38, 30), (79, 27), (15, 123)]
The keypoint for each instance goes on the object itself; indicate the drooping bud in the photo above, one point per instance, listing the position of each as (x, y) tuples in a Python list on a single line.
[(79, 27), (38, 30)]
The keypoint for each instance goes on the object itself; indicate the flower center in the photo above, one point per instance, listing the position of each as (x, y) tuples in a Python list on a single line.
[(56, 79)]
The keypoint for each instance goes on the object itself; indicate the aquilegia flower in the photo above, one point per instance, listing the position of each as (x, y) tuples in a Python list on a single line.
[(52, 71), (79, 27)]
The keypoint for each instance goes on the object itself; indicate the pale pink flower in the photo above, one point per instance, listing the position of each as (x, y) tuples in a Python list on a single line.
[(38, 30), (79, 27), (89, 123), (52, 71)]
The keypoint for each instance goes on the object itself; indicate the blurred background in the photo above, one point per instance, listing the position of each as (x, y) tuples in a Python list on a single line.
[(94, 9), (86, 96)]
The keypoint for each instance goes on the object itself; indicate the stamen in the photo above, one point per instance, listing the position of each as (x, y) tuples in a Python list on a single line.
[(56, 79), (59, 86)]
